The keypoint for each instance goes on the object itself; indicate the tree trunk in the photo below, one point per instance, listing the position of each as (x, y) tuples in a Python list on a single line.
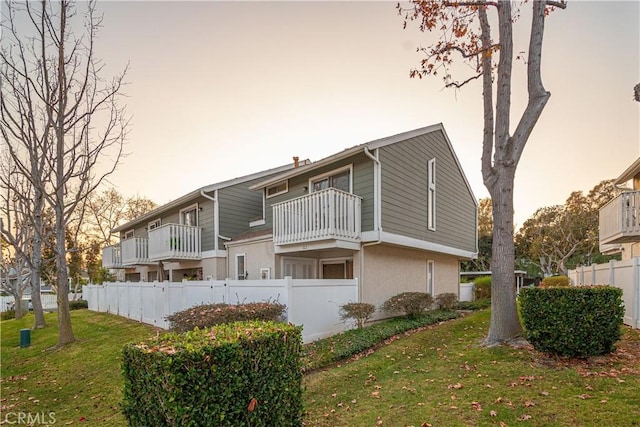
[(505, 325), (36, 259)]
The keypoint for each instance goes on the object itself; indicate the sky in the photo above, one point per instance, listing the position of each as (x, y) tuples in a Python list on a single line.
[(219, 90)]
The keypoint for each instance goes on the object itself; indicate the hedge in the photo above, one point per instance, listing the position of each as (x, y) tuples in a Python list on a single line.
[(239, 374), (577, 321)]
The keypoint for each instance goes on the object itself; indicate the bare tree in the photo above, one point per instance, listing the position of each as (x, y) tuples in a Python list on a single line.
[(466, 36), (53, 97)]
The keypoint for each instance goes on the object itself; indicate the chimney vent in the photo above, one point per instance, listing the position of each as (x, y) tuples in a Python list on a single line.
[(296, 162)]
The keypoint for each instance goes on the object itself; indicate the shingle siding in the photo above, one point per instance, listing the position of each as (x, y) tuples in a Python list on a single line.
[(405, 193)]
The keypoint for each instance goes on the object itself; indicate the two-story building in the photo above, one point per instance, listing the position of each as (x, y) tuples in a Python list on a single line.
[(396, 213)]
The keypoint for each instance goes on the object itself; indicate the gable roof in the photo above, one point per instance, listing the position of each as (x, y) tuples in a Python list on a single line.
[(371, 145), (197, 193), (628, 174)]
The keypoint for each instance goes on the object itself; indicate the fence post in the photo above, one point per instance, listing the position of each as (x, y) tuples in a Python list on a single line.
[(166, 304), (582, 274), (288, 286), (593, 274), (225, 290), (612, 272)]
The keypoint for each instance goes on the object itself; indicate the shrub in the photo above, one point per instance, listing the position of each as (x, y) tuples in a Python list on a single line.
[(7, 315), (239, 374), (482, 288), (207, 315), (572, 321), (478, 304), (78, 304), (555, 282), (359, 311), (408, 303), (446, 301)]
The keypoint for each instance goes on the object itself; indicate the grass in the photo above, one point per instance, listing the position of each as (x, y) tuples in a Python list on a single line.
[(438, 375), (80, 382)]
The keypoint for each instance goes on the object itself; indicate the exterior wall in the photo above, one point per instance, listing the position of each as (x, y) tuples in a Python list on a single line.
[(258, 255), (362, 180), (405, 193), (390, 270), (238, 207)]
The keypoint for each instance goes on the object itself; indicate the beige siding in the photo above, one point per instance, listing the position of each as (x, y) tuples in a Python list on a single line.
[(257, 255), (390, 270)]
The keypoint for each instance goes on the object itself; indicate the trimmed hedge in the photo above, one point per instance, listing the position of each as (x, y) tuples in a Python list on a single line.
[(555, 282), (577, 321), (482, 288), (207, 315), (410, 304), (239, 374), (358, 311), (78, 304), (447, 301)]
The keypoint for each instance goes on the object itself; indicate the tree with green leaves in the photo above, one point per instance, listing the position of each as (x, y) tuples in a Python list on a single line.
[(466, 36)]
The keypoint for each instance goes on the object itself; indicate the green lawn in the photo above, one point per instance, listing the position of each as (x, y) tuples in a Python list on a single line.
[(438, 376)]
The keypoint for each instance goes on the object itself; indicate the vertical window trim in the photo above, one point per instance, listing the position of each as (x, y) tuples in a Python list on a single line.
[(244, 264), (431, 195), (431, 273)]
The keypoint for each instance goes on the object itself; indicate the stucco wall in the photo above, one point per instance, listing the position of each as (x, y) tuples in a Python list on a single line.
[(390, 270), (257, 255)]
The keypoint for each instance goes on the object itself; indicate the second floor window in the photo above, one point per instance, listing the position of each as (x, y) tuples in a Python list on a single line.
[(339, 179), (431, 195), (189, 216)]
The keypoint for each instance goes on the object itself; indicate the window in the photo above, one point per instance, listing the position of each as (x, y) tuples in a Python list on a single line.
[(431, 195), (279, 188), (299, 268), (430, 274), (189, 216), (154, 224), (128, 234), (241, 272), (339, 179)]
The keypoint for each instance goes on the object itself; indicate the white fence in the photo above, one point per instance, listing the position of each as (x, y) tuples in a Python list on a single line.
[(49, 301), (622, 274), (314, 304)]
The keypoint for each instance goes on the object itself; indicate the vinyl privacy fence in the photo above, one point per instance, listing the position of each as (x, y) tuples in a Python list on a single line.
[(622, 274), (314, 304)]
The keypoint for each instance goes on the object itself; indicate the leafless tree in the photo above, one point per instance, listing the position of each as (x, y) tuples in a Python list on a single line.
[(57, 109), (466, 37)]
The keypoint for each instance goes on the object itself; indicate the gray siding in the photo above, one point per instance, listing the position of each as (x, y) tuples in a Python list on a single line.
[(362, 186), (404, 193), (238, 207)]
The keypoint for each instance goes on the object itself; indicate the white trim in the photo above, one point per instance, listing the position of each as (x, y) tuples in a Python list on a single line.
[(244, 273), (286, 189), (255, 239), (265, 273), (127, 236), (157, 221), (189, 209), (431, 277), (320, 177), (396, 239), (313, 246), (214, 254), (431, 194), (257, 222)]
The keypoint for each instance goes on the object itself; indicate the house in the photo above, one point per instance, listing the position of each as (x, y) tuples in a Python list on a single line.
[(619, 219), (396, 213), (185, 237)]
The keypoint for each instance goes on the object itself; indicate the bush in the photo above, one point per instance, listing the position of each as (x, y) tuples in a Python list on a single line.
[(239, 374), (207, 315), (555, 282), (408, 303), (482, 288), (446, 301), (359, 311), (7, 315), (478, 304), (78, 304), (572, 321)]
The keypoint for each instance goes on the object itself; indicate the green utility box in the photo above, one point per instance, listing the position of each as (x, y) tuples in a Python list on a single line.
[(25, 338)]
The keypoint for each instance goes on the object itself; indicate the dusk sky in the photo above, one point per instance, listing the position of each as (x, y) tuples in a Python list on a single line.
[(223, 89)]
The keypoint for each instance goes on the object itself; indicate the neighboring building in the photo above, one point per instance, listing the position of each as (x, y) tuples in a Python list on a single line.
[(620, 218), (396, 213), (186, 237)]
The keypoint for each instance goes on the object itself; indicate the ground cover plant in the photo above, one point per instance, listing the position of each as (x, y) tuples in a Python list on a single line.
[(433, 375)]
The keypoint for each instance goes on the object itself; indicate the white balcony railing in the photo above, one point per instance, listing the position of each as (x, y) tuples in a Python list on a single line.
[(111, 257), (620, 219), (135, 250), (322, 215), (175, 241)]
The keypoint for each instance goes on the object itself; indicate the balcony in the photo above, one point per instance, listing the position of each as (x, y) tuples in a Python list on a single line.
[(111, 257), (325, 219), (620, 219), (174, 242), (135, 250)]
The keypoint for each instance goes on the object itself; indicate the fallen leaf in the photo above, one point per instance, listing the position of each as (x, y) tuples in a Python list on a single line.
[(524, 417), (252, 404), (493, 413)]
